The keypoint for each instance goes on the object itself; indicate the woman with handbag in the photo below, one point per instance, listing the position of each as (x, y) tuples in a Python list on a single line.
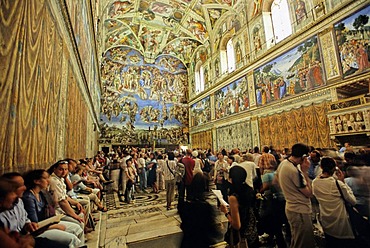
[(242, 231), (333, 213)]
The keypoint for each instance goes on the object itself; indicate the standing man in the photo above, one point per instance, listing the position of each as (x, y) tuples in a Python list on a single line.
[(189, 164), (123, 174), (267, 162), (292, 175)]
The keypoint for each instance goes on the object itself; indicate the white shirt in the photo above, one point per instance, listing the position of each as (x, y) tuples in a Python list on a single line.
[(333, 213), (250, 168)]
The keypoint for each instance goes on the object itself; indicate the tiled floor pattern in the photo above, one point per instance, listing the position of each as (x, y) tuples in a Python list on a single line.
[(146, 222)]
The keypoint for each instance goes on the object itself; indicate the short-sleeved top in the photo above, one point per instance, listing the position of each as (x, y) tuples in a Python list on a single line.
[(14, 219), (57, 191), (333, 214), (35, 208), (80, 185), (189, 167), (291, 179), (170, 165)]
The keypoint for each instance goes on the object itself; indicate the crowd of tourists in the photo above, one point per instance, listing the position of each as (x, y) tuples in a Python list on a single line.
[(272, 197)]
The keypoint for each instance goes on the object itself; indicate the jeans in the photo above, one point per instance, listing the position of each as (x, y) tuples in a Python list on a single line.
[(142, 179)]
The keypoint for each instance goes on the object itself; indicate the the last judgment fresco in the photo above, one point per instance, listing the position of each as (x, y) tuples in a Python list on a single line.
[(143, 103)]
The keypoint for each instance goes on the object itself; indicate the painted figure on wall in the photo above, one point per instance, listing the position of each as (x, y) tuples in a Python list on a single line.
[(294, 72), (257, 6), (139, 95), (201, 112), (257, 43), (232, 99), (300, 11), (353, 42)]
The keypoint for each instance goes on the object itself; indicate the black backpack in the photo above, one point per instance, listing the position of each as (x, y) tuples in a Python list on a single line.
[(207, 165)]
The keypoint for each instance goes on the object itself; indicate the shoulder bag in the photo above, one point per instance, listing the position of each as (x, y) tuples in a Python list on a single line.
[(360, 225)]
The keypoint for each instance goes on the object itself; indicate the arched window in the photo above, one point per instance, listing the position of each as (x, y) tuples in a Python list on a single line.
[(230, 56), (281, 22), (277, 23), (199, 78), (227, 56), (223, 60)]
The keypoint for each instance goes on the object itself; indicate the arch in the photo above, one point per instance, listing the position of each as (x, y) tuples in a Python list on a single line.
[(230, 51), (277, 22), (199, 77)]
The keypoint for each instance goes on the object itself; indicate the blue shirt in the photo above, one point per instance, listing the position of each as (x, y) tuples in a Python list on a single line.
[(36, 209), (14, 219)]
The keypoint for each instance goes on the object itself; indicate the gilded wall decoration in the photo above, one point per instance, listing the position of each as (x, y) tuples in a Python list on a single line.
[(33, 72), (353, 37), (234, 136), (232, 99), (307, 125), (202, 140), (298, 70), (329, 54), (201, 112), (138, 96)]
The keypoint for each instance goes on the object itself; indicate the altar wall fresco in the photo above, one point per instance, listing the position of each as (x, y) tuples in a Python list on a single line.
[(138, 97), (38, 89)]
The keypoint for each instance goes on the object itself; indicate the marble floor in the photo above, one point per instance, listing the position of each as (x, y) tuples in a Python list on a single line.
[(146, 222), (143, 223)]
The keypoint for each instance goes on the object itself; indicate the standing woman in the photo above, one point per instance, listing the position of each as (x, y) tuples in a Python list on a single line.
[(169, 176), (142, 171), (333, 213), (220, 175), (152, 177), (240, 213)]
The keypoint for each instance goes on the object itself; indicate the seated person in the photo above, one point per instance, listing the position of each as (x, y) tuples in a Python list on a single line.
[(16, 221), (95, 171), (7, 199), (39, 209), (58, 191), (80, 186)]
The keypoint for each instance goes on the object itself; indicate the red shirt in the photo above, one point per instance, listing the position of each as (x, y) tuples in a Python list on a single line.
[(189, 167)]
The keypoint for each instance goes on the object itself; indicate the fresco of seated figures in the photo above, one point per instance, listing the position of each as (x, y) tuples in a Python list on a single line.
[(138, 97), (201, 112), (232, 99), (353, 37), (298, 70)]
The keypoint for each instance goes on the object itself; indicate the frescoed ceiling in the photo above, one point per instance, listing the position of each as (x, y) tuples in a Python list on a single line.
[(147, 47), (174, 27)]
